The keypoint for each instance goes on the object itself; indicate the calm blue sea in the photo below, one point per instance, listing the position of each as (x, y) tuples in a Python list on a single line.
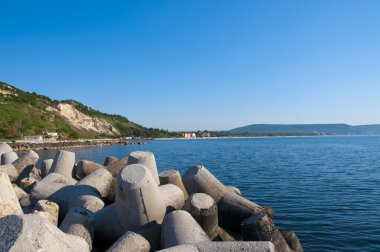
[(326, 189)]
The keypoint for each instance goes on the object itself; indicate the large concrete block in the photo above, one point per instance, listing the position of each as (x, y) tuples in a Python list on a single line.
[(67, 196), (9, 203), (173, 177), (179, 227), (45, 167), (100, 179), (204, 210), (260, 227), (116, 167), (292, 240), (48, 210), (79, 222), (4, 148), (109, 160), (63, 163), (233, 209), (8, 157), (58, 178), (86, 167), (29, 158), (10, 170), (146, 159), (223, 247), (198, 179), (138, 200), (32, 233), (173, 197), (130, 242)]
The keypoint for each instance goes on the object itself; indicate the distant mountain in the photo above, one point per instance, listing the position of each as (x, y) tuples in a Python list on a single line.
[(24, 113), (306, 129)]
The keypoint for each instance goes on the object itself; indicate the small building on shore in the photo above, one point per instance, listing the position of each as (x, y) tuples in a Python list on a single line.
[(187, 135), (33, 138)]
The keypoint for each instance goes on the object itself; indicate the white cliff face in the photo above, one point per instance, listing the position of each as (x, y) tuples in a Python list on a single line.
[(77, 119)]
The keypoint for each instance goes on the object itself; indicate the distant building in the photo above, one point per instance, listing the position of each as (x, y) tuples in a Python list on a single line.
[(34, 138), (187, 135), (205, 134)]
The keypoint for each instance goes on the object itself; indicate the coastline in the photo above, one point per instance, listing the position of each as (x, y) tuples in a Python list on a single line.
[(33, 145)]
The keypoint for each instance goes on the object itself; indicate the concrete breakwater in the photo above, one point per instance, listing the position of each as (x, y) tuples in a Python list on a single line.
[(28, 145), (126, 205)]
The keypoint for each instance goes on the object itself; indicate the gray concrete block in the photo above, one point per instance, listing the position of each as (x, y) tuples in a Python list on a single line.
[(109, 160), (8, 157), (236, 246), (116, 167), (181, 248), (179, 227), (45, 167), (4, 148), (204, 210), (138, 200), (86, 167), (100, 179), (48, 210), (29, 158), (10, 170), (79, 222), (292, 240), (234, 189), (233, 209), (198, 179), (260, 227), (130, 242), (173, 177), (63, 163), (9, 203), (27, 184), (173, 197), (146, 159), (32, 233), (58, 178)]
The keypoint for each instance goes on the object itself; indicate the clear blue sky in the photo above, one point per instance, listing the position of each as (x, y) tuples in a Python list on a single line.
[(188, 65)]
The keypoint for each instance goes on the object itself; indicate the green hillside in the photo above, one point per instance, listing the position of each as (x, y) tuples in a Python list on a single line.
[(306, 129), (24, 113)]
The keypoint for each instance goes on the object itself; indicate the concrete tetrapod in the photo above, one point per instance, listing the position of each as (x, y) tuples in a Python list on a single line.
[(292, 240), (172, 196), (30, 158), (45, 167), (173, 177), (58, 178), (204, 210), (100, 179), (8, 157), (30, 232), (138, 202), (63, 163), (232, 208), (67, 196), (47, 210), (4, 148), (198, 179), (79, 222), (130, 242), (260, 227), (223, 247), (179, 227), (109, 160), (9, 203), (85, 167), (146, 159)]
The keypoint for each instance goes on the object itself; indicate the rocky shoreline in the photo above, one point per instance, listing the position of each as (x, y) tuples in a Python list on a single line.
[(28, 145), (126, 205)]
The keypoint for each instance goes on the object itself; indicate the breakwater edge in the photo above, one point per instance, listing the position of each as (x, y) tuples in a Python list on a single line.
[(32, 145)]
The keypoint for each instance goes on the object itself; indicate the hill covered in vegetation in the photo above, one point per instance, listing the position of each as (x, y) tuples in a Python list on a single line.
[(24, 113), (306, 129)]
